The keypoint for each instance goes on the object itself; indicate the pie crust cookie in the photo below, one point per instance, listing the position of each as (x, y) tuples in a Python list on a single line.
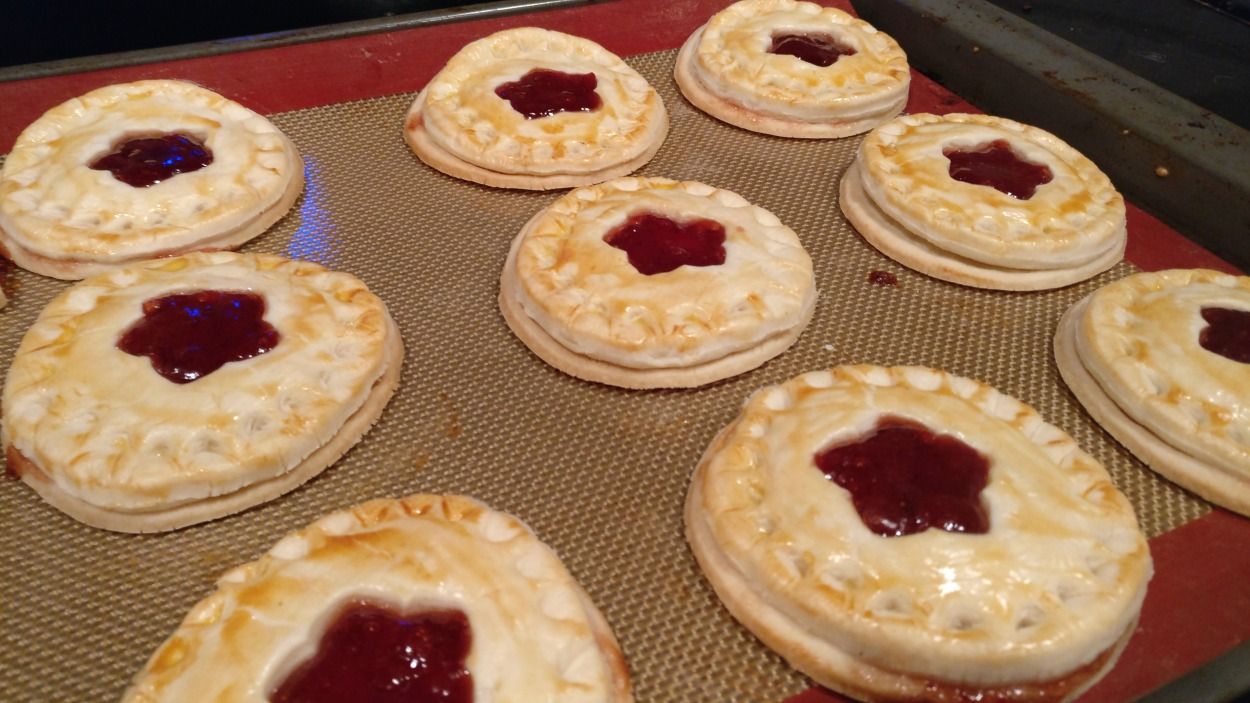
[(461, 126), (1038, 607), (727, 70), (1132, 354), (900, 195), (104, 437), (583, 307), (536, 636), (62, 218)]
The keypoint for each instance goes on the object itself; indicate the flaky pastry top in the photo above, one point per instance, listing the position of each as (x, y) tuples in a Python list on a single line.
[(533, 637), (464, 116), (1054, 582), (1139, 339), (109, 430), (1069, 221), (733, 61), (53, 204), (584, 293)]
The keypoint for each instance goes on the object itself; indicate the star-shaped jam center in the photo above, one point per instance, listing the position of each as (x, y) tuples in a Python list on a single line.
[(658, 244), (370, 652), (904, 478), (190, 335)]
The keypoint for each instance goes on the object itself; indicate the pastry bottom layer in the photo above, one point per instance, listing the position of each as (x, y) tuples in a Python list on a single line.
[(206, 509), (1207, 480), (892, 239)]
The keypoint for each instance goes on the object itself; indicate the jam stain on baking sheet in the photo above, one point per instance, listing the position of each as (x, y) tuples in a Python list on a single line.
[(1227, 333), (370, 652), (190, 335), (657, 244), (147, 161), (882, 278), (997, 166), (543, 92), (904, 478), (817, 49)]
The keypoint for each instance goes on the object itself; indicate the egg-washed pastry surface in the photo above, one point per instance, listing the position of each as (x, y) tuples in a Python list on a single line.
[(139, 170), (651, 282), (425, 598), (178, 390), (1162, 361), (906, 534), (536, 109), (984, 201), (793, 69)]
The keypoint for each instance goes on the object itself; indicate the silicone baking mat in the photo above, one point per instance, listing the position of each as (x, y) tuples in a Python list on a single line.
[(600, 473)]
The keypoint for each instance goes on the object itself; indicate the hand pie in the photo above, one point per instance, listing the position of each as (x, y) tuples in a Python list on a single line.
[(905, 534), (536, 109), (1162, 361), (654, 283), (793, 69), (420, 599), (983, 202), (140, 170), (174, 391)]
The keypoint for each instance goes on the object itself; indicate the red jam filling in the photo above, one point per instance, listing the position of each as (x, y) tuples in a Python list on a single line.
[(656, 244), (997, 166), (371, 653), (816, 49), (150, 160), (882, 278), (1227, 333), (543, 92), (904, 478), (190, 335)]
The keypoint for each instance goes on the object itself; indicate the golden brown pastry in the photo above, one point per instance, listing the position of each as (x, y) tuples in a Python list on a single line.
[(1162, 361), (655, 283), (140, 170), (793, 69), (906, 534), (422, 598), (536, 109), (983, 201), (175, 391)]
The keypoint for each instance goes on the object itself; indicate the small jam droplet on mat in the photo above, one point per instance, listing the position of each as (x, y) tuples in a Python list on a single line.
[(656, 244), (1227, 333), (373, 654), (904, 478), (816, 49), (150, 160), (190, 335), (997, 166), (882, 278), (543, 92)]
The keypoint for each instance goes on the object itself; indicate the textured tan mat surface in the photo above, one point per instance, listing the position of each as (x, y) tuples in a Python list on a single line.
[(599, 473)]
